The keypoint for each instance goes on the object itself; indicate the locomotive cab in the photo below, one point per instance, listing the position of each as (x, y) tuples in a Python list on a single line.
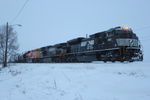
[(129, 44)]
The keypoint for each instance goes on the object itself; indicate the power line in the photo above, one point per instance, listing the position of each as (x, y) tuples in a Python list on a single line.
[(19, 11)]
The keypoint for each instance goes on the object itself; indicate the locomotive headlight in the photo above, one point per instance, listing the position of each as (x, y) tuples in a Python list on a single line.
[(126, 28)]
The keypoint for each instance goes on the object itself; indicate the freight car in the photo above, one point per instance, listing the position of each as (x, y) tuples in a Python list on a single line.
[(115, 44)]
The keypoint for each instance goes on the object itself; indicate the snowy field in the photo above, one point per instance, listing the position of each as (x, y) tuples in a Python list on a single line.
[(76, 81)]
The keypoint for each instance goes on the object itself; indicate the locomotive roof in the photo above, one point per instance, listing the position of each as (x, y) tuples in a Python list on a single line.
[(120, 28), (76, 40), (60, 45), (112, 29), (97, 34)]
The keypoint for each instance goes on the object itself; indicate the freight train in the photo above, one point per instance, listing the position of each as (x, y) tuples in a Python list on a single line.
[(115, 44)]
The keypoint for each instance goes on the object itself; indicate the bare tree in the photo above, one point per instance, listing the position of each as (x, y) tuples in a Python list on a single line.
[(8, 43)]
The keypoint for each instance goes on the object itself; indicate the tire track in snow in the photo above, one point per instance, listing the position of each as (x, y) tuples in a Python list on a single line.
[(66, 76)]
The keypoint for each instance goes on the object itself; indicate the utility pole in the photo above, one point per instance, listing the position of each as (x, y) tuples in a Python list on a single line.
[(6, 47)]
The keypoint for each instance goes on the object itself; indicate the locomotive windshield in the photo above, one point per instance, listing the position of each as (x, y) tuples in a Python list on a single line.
[(122, 34)]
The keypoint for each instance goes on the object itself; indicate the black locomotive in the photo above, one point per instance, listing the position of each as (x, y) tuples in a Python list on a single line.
[(115, 44)]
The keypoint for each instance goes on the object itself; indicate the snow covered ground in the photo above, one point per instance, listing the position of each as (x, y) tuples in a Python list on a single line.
[(76, 81)]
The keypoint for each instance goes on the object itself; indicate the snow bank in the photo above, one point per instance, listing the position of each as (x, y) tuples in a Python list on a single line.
[(76, 81)]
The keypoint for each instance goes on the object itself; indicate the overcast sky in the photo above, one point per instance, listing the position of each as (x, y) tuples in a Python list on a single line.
[(47, 22)]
